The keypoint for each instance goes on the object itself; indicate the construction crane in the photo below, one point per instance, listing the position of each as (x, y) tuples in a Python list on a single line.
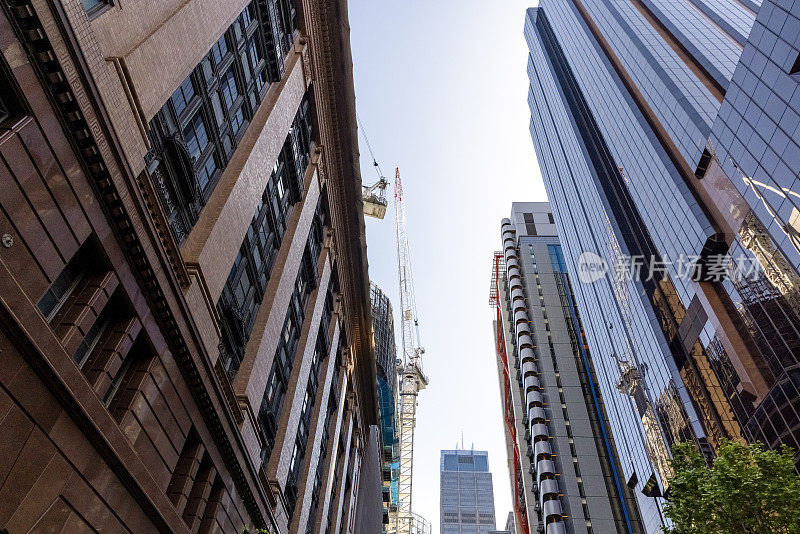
[(373, 196), (409, 369), (374, 199)]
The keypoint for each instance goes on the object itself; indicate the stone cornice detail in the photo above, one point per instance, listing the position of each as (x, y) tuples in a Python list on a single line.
[(328, 29)]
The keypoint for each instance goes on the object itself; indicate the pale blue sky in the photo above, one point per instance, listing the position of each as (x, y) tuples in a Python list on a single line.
[(441, 87)]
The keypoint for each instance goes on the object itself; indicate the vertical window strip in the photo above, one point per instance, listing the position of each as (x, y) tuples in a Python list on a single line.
[(301, 439), (282, 365), (244, 289), (197, 130)]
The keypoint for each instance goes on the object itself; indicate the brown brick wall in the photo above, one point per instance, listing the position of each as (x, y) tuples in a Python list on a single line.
[(122, 436), (52, 471), (52, 476)]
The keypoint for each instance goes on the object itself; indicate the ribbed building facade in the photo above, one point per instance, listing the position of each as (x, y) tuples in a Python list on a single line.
[(564, 471), (184, 300), (667, 138), (386, 358)]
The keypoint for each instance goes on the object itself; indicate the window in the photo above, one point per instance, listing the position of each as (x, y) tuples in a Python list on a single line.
[(254, 52), (229, 89), (94, 7), (237, 120), (93, 335), (195, 136), (796, 67), (249, 14), (262, 79), (183, 95), (220, 50), (207, 171), (301, 137), (62, 287), (11, 105)]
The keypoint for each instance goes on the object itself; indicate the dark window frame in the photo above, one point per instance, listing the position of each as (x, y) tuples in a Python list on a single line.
[(225, 124), (78, 269), (100, 7), (181, 91), (13, 106)]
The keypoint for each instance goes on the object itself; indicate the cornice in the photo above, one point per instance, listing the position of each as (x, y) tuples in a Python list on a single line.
[(328, 28)]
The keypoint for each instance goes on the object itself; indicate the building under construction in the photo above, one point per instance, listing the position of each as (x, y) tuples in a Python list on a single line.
[(562, 460), (385, 356)]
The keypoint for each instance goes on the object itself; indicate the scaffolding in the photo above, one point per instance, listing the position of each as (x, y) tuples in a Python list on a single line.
[(415, 524)]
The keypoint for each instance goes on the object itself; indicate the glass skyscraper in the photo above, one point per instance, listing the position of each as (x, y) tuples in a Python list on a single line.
[(466, 500), (667, 136)]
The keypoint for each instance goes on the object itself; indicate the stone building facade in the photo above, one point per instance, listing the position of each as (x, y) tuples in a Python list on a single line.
[(184, 301)]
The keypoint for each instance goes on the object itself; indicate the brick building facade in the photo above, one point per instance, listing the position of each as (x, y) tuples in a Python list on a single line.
[(185, 328)]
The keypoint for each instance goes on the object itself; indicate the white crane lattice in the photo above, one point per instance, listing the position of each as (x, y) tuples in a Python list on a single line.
[(412, 379)]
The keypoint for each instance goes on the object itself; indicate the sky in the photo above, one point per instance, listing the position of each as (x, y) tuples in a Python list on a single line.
[(441, 89)]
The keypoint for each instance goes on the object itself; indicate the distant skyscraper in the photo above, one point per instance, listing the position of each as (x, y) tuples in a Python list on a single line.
[(466, 502), (511, 525), (386, 356), (564, 473), (668, 136)]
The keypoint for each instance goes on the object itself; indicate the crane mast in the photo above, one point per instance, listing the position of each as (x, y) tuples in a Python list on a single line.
[(411, 377)]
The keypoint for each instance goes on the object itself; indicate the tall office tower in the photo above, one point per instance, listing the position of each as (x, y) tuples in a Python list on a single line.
[(563, 467), (386, 358), (466, 502), (184, 301), (511, 525), (667, 138)]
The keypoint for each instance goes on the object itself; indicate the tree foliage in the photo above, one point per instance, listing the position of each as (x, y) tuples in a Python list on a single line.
[(746, 490)]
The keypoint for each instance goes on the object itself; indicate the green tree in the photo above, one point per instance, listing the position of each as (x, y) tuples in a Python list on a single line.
[(746, 490)]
